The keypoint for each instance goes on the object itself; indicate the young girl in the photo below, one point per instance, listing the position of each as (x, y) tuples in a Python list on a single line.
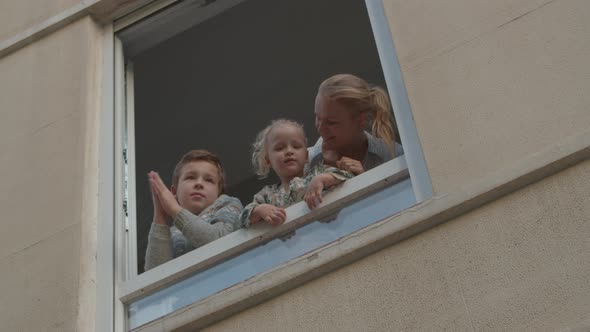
[(282, 146), (345, 105)]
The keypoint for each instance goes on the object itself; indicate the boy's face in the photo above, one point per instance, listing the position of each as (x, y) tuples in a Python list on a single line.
[(287, 153), (198, 186)]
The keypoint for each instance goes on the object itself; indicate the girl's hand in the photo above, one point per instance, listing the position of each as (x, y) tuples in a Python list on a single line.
[(313, 196), (269, 213), (353, 166), (165, 197)]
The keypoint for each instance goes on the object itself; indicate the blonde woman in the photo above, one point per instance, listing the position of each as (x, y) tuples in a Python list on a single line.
[(345, 107)]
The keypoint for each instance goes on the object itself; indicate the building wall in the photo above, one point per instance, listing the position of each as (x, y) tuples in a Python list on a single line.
[(490, 82), (18, 16), (49, 105), (517, 264)]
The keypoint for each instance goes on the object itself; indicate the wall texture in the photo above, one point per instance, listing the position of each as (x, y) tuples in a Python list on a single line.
[(491, 82), (48, 158), (17, 16), (519, 263)]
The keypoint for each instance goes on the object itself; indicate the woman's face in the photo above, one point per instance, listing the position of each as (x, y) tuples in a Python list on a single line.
[(339, 127)]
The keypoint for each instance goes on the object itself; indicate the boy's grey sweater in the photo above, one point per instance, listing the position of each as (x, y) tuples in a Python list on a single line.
[(192, 231)]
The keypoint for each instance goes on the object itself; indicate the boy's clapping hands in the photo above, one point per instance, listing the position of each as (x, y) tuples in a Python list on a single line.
[(165, 204)]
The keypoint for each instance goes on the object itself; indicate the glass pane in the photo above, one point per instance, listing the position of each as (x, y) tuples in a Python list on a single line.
[(353, 217)]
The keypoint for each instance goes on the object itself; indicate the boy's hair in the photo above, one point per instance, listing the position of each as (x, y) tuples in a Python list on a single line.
[(259, 161), (359, 97), (199, 155)]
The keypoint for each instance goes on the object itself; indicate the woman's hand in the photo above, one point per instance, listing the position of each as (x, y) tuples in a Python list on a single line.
[(269, 213), (351, 165), (166, 199)]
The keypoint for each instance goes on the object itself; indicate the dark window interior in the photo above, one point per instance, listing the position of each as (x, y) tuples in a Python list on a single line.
[(216, 84)]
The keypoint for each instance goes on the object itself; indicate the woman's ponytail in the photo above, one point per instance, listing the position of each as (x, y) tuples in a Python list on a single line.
[(359, 97), (383, 124)]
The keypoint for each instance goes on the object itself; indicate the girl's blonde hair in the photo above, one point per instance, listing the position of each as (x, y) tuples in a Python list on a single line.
[(358, 96), (260, 146)]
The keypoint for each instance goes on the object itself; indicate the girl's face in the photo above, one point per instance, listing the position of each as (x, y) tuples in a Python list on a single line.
[(286, 151), (339, 127)]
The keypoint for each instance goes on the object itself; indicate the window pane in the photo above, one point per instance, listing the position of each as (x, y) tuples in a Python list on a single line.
[(216, 84), (351, 218)]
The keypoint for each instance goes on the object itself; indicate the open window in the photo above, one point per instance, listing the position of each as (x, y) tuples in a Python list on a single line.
[(211, 74)]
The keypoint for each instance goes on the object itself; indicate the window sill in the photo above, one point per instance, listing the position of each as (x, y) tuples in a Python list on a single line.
[(243, 240), (375, 237)]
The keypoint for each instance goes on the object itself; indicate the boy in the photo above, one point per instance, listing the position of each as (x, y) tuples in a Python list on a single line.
[(198, 210)]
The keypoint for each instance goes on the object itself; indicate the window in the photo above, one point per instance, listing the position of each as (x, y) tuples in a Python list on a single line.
[(211, 74)]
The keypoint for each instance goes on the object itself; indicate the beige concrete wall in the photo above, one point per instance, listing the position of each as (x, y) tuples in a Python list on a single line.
[(492, 81), (48, 157), (489, 82), (17, 16), (517, 264)]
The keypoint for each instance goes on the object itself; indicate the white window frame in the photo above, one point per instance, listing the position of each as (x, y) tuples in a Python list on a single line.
[(127, 286)]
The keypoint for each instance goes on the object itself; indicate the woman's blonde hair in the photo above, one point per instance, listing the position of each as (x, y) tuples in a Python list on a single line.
[(358, 96), (260, 146)]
